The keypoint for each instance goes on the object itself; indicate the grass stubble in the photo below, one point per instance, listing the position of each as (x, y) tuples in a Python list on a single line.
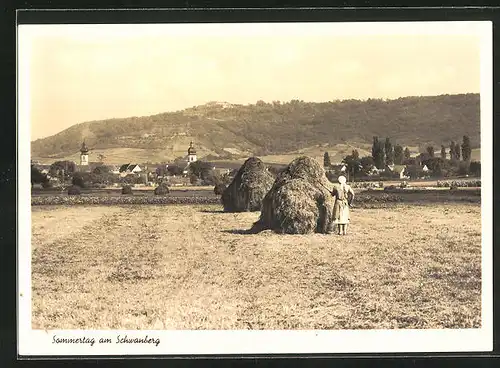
[(191, 267)]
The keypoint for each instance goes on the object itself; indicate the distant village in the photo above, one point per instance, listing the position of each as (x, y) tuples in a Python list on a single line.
[(390, 161), (181, 172), (385, 163)]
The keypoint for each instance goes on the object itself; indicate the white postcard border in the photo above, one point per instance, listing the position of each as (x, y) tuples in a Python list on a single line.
[(37, 342)]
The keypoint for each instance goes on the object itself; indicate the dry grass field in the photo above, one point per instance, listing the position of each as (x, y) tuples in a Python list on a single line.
[(193, 267)]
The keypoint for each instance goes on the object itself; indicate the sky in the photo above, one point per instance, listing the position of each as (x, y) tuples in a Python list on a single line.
[(78, 73)]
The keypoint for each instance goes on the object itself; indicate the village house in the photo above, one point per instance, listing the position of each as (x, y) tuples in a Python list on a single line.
[(337, 169), (44, 169), (128, 169), (398, 169), (375, 171)]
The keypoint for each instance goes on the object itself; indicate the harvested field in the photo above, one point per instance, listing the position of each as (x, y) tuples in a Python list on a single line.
[(194, 267)]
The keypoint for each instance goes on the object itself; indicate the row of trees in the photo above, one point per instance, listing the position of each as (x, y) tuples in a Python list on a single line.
[(384, 153), (37, 177)]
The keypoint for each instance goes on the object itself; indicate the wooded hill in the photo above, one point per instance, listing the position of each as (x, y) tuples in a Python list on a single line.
[(232, 131)]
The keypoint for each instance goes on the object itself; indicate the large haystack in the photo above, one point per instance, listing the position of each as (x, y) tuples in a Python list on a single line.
[(248, 188), (299, 201)]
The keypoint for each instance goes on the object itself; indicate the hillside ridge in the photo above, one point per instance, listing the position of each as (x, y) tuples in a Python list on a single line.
[(231, 131)]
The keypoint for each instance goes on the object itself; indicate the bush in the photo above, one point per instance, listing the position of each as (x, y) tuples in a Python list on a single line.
[(128, 179), (47, 184), (388, 175), (162, 189), (127, 189), (74, 190), (403, 184), (475, 168), (463, 168)]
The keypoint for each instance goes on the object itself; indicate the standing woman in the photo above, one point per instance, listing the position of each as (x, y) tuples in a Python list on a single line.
[(342, 193)]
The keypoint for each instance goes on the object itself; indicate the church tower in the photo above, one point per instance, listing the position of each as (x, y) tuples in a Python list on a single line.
[(84, 155), (191, 153)]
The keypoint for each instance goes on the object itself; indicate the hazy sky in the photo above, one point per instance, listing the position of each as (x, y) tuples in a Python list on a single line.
[(83, 73)]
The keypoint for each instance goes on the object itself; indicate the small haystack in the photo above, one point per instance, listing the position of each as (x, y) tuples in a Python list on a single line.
[(299, 201), (248, 188), (162, 189), (74, 190), (127, 189)]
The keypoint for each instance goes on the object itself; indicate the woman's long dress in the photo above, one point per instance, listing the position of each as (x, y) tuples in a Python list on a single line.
[(342, 205)]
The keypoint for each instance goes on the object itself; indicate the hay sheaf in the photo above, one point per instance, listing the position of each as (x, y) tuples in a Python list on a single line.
[(162, 189), (299, 201), (127, 189), (248, 188), (74, 190)]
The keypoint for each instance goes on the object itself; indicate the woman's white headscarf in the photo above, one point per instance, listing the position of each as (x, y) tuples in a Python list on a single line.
[(342, 180)]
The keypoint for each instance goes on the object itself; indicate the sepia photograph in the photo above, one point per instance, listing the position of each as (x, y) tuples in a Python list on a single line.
[(255, 187)]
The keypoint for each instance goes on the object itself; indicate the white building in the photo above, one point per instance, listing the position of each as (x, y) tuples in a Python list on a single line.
[(129, 169)]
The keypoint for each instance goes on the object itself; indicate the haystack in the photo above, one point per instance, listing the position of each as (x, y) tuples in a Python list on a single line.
[(162, 189), (74, 190), (127, 189), (248, 188), (299, 201)]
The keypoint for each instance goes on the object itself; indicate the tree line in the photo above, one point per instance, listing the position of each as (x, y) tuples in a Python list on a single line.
[(384, 153)]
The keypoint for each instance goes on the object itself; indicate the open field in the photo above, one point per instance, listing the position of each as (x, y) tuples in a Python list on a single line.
[(476, 154), (193, 267)]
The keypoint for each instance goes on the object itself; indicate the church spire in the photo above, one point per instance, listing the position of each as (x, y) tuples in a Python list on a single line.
[(191, 149), (191, 153), (84, 150)]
